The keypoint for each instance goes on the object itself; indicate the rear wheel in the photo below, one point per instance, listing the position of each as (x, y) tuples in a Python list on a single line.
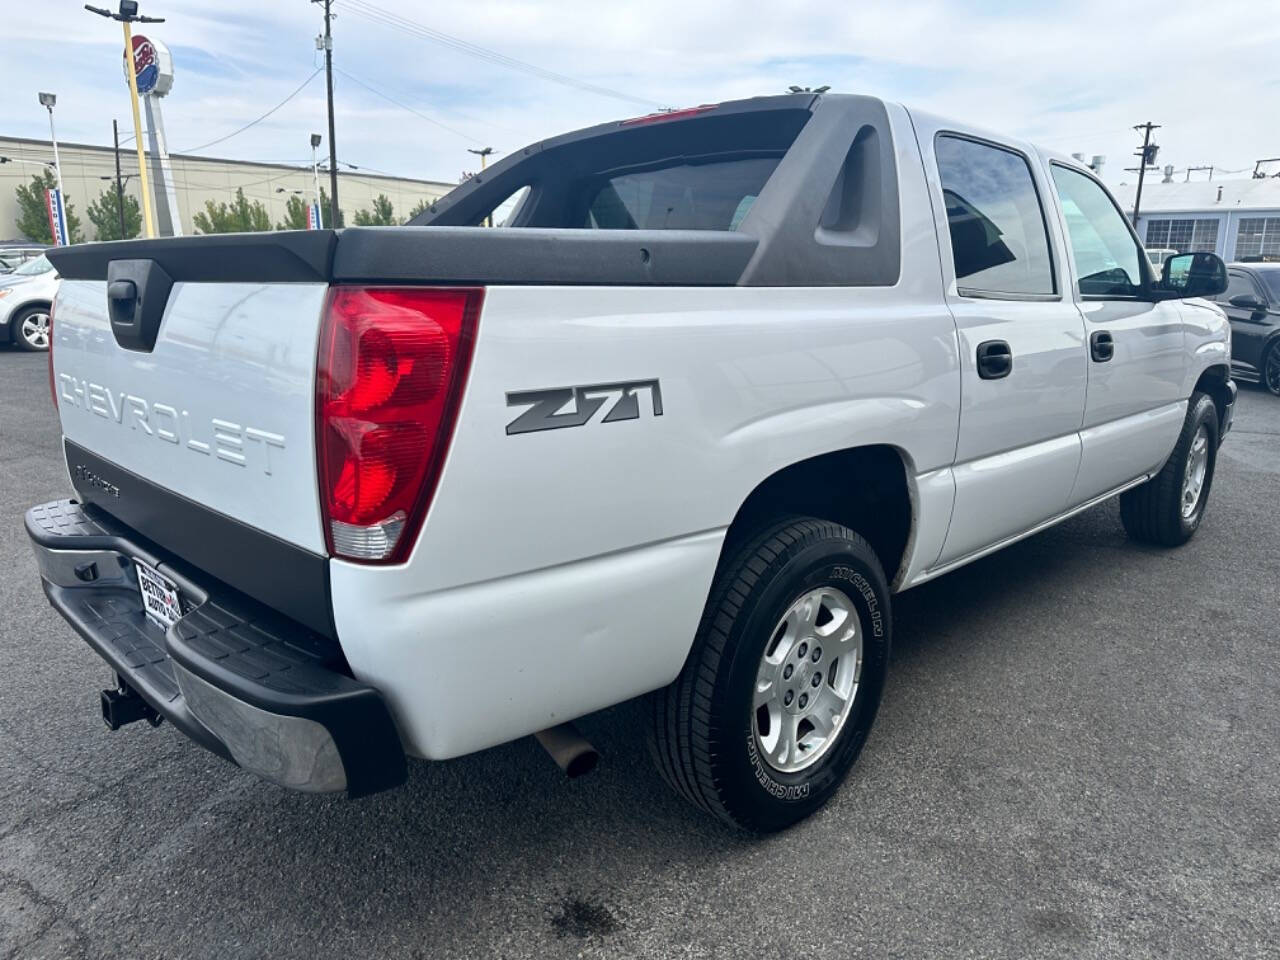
[(31, 328), (1168, 508), (1271, 369), (784, 679)]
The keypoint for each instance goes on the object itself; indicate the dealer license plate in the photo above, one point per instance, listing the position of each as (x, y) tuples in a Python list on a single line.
[(159, 596)]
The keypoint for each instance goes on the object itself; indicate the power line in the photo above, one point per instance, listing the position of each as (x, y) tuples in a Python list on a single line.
[(385, 17), (257, 121), (405, 106)]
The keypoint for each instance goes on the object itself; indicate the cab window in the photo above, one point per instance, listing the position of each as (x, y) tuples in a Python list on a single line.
[(1107, 257), (999, 240)]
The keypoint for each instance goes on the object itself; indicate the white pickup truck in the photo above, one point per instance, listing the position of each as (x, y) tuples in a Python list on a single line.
[(727, 379)]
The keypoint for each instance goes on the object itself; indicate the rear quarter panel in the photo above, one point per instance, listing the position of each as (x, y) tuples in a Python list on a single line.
[(569, 567)]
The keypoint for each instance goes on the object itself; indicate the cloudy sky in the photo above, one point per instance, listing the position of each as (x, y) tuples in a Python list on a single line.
[(1074, 76)]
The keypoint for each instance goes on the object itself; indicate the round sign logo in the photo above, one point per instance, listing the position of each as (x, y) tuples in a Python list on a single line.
[(146, 64)]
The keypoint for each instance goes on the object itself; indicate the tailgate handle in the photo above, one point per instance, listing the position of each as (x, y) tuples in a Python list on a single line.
[(122, 296), (137, 294)]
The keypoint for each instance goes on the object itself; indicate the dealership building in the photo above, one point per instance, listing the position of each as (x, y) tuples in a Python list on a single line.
[(1236, 219), (89, 170)]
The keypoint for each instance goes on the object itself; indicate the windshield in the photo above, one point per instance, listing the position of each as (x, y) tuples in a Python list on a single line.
[(31, 268), (1272, 279)]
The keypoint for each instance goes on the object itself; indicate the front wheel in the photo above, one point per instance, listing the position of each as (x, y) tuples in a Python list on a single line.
[(1271, 369), (1167, 509), (31, 328), (784, 678)]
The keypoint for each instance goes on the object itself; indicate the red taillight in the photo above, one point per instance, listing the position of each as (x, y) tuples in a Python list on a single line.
[(53, 384), (392, 366)]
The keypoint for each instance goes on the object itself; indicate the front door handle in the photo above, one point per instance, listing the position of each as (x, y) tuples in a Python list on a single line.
[(995, 359), (1101, 346)]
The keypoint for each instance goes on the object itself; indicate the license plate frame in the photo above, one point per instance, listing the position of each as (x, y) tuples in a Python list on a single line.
[(161, 599)]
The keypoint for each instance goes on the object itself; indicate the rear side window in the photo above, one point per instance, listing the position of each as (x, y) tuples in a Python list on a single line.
[(999, 240), (711, 195)]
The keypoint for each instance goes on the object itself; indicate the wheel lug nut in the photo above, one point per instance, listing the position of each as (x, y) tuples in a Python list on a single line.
[(787, 671), (804, 700), (804, 648), (787, 698), (817, 679), (817, 654)]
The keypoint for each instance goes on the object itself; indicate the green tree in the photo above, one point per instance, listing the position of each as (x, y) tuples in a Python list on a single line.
[(295, 212), (418, 208), (33, 214), (240, 216), (104, 214), (380, 216)]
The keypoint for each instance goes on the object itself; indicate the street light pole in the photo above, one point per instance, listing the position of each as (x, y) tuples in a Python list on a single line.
[(115, 136), (48, 100), (129, 14), (315, 173), (483, 153)]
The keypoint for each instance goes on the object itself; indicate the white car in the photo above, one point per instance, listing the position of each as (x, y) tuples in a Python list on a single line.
[(26, 295), (732, 378)]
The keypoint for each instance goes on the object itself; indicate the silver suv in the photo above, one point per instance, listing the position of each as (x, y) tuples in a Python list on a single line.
[(25, 298)]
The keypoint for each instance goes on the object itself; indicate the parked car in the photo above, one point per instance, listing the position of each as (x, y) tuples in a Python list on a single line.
[(1158, 255), (15, 255), (1252, 304), (25, 297), (733, 377)]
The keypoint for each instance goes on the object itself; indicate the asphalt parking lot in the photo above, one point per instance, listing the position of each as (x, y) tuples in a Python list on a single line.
[(1077, 757)]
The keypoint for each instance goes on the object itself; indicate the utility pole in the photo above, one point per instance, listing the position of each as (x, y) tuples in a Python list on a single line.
[(327, 43), (115, 136), (315, 173), (483, 153), (129, 14), (1147, 155)]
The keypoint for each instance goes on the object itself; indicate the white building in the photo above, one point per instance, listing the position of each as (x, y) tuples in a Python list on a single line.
[(1236, 219), (89, 170)]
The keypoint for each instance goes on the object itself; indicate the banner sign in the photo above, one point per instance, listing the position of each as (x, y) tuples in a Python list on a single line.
[(313, 216), (57, 217)]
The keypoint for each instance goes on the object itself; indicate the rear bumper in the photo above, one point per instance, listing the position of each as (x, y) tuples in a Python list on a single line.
[(239, 679)]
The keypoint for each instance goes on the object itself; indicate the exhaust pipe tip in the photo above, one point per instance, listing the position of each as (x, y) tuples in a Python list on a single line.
[(570, 750)]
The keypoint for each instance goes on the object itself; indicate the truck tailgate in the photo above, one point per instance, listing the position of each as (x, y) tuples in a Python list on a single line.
[(220, 412)]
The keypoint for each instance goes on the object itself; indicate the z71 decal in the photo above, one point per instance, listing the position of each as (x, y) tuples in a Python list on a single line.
[(547, 407)]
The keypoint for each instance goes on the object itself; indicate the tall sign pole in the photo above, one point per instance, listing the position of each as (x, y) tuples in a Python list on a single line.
[(154, 79), (128, 13)]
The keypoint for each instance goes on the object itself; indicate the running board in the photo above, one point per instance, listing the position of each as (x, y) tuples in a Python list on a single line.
[(950, 565)]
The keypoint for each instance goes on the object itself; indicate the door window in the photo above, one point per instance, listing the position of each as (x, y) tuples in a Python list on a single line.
[(999, 240), (1238, 285), (1107, 257)]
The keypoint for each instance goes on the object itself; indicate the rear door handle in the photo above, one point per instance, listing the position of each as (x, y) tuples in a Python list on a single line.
[(1101, 346), (995, 359)]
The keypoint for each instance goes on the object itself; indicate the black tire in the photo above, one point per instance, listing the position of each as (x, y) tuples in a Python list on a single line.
[(1270, 369), (1153, 512), (16, 332), (703, 740)]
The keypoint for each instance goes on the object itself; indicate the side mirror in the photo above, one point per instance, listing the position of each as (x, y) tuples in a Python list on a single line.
[(1193, 275), (1247, 301)]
